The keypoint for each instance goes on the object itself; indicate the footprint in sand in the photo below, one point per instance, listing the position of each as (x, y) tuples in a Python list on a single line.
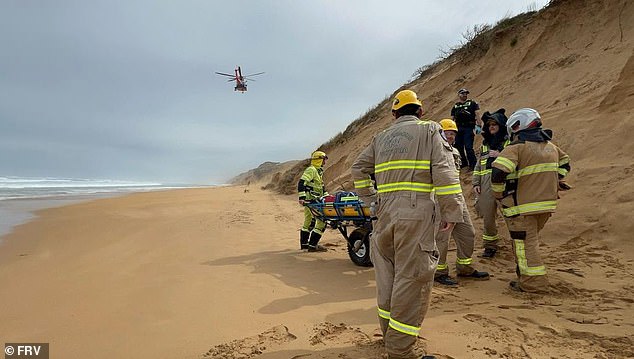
[(251, 346), (328, 333), (241, 217)]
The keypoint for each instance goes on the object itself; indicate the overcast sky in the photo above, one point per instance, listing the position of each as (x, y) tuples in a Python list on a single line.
[(126, 90)]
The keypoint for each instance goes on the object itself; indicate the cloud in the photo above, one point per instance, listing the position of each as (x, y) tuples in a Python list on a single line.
[(126, 89)]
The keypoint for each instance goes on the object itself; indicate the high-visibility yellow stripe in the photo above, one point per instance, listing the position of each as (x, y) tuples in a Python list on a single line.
[(529, 207), (506, 163), (538, 168), (442, 266), (349, 198), (485, 148), (486, 237), (302, 194), (498, 187), (404, 328), (522, 262), (405, 186), (562, 171), (483, 162), (384, 314), (464, 261), (564, 160), (483, 172), (402, 164), (422, 122), (363, 183), (446, 190)]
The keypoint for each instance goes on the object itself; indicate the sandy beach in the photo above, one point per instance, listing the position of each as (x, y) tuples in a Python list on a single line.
[(216, 273)]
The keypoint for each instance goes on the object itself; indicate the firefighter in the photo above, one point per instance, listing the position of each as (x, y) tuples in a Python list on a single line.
[(311, 188), (526, 178), (494, 140), (408, 160), (463, 232)]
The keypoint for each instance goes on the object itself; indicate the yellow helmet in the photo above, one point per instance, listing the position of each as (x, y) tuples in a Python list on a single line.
[(317, 158), (405, 97), (448, 124)]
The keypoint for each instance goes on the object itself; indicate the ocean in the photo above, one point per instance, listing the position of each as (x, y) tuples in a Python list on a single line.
[(21, 196)]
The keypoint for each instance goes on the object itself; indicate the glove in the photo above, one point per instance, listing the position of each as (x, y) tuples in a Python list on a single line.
[(563, 186), (373, 209)]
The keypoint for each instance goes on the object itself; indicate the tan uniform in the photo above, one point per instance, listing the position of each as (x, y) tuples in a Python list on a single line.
[(463, 234), (486, 205), (408, 160), (528, 196)]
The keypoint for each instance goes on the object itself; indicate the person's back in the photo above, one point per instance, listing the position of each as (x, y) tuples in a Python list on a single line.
[(408, 160), (534, 177), (525, 177)]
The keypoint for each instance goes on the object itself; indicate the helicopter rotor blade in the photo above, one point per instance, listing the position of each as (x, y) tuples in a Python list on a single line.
[(223, 74), (259, 73)]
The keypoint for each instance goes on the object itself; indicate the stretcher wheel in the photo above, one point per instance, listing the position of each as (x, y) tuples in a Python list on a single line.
[(359, 247)]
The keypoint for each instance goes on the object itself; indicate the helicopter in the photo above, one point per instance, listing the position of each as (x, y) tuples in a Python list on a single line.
[(241, 81)]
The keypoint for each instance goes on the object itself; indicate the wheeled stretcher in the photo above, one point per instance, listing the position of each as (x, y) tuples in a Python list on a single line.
[(343, 210)]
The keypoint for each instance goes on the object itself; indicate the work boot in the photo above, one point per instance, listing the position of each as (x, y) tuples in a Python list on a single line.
[(445, 279), (475, 275), (489, 253), (303, 239), (515, 285), (312, 243)]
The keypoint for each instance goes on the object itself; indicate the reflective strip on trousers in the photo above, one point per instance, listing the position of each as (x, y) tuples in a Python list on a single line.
[(384, 314), (405, 186), (464, 261), (486, 237), (404, 328), (402, 164), (398, 326), (529, 208), (442, 266), (363, 183), (522, 262)]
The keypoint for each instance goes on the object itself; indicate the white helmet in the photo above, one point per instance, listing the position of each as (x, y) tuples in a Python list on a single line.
[(523, 119)]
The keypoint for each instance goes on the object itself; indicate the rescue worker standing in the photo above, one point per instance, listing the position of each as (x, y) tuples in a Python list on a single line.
[(463, 232), (408, 160), (311, 188), (465, 113), (494, 140), (526, 177)]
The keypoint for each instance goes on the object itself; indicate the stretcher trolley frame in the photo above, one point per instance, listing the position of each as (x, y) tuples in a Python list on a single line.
[(348, 211)]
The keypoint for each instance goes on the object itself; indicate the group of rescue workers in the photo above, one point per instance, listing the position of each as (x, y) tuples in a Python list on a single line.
[(410, 173)]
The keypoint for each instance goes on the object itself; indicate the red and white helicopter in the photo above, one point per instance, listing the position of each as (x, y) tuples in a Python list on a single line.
[(241, 81)]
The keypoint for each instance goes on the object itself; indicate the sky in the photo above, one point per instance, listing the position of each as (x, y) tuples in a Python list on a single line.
[(126, 90)]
